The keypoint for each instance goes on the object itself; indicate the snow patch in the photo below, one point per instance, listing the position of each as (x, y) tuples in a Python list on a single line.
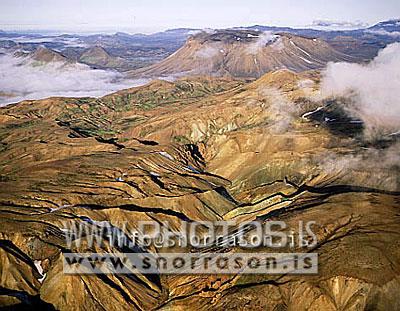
[(306, 60), (39, 268), (307, 114), (167, 155), (191, 169)]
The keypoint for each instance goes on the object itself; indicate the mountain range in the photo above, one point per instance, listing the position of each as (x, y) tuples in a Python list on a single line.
[(140, 50)]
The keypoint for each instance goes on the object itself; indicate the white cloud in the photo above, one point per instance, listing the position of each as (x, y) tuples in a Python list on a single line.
[(28, 80), (264, 39), (208, 52), (374, 89), (382, 32), (199, 31), (337, 25)]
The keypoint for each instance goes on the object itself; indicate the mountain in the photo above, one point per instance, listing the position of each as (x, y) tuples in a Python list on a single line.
[(45, 55), (244, 54), (362, 43), (143, 50), (193, 150), (8, 44), (98, 57), (387, 29), (389, 26)]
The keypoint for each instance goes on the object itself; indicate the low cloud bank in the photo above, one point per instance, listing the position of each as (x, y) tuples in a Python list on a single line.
[(336, 25), (377, 168), (22, 79), (374, 90), (382, 32)]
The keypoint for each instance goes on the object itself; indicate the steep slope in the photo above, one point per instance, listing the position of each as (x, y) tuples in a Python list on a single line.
[(244, 54), (194, 150)]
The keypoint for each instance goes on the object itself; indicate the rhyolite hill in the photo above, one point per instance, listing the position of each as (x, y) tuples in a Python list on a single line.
[(196, 149)]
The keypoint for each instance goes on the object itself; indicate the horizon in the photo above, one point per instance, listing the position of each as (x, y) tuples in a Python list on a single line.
[(314, 26), (141, 17)]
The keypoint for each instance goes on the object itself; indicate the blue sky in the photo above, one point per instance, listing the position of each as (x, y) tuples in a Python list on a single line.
[(150, 16)]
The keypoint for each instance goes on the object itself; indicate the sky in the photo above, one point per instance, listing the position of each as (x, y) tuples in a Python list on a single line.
[(155, 15)]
